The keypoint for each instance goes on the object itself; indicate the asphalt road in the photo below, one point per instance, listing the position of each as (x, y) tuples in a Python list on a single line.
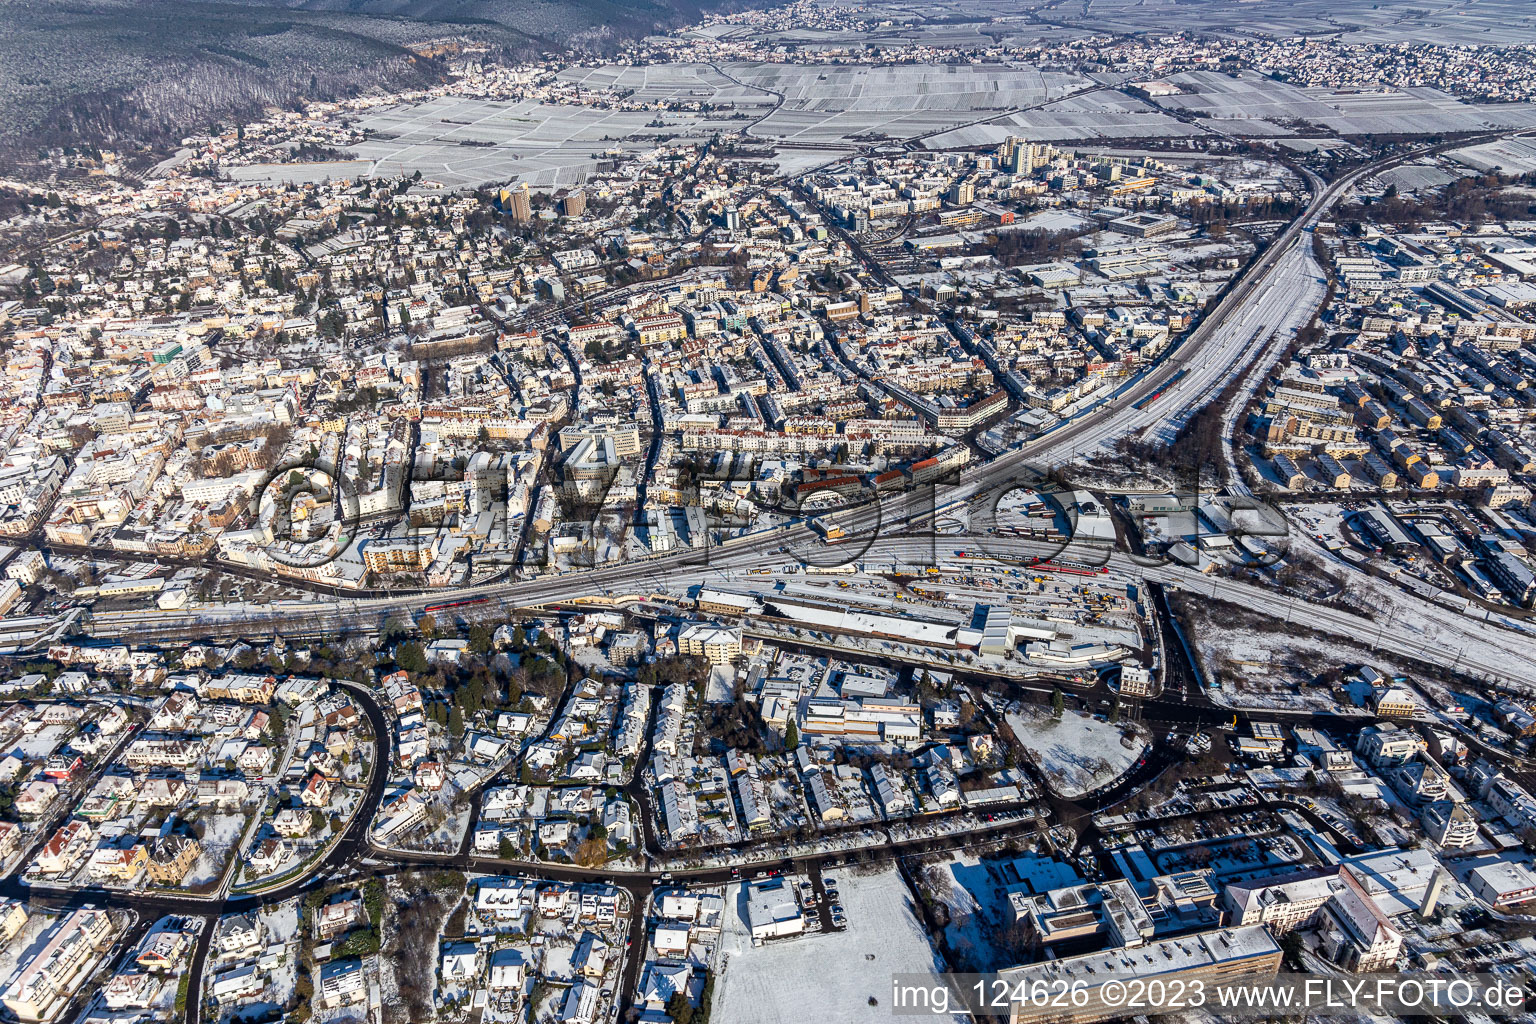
[(1222, 345), (345, 862), (1218, 347), (150, 906)]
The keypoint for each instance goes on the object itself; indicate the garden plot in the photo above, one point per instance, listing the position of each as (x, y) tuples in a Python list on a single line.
[(830, 103), (282, 925), (787, 981), (1094, 114), (976, 24), (447, 834), (1103, 113), (1243, 126), (829, 127), (221, 836), (1512, 156), (1421, 110), (788, 160), (1077, 754), (1216, 95), (1415, 111), (1443, 23), (302, 174), (906, 87), (1412, 177), (1273, 18), (654, 83)]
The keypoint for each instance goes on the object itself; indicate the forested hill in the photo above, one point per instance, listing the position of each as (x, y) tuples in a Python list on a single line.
[(134, 73)]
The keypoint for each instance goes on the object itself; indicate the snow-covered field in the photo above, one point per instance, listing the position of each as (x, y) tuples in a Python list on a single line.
[(790, 981), (1077, 754)]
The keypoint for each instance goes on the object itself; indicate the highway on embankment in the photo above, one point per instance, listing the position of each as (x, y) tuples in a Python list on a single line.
[(1280, 282)]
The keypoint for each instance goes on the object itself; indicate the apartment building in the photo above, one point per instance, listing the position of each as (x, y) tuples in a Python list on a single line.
[(1356, 933), (1386, 744), (720, 644), (46, 982), (399, 556)]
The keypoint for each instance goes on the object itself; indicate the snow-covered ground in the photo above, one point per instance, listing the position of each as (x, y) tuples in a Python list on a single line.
[(1278, 669), (222, 833), (282, 924), (41, 743), (448, 834), (1052, 220), (1076, 753), (27, 943), (787, 981), (975, 895)]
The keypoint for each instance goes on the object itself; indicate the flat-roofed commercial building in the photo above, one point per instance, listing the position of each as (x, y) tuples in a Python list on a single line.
[(772, 909), (1225, 954)]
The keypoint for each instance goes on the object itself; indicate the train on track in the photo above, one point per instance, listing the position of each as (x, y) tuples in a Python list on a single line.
[(447, 605), (1154, 396)]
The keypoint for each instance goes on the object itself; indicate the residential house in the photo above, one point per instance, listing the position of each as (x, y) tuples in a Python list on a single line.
[(171, 857), (239, 935), (317, 791)]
